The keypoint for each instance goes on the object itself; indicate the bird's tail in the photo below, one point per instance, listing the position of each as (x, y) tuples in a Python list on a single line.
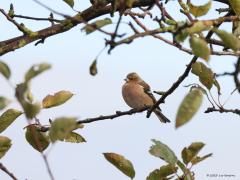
[(161, 117)]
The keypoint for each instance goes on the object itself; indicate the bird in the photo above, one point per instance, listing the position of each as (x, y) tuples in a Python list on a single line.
[(137, 94)]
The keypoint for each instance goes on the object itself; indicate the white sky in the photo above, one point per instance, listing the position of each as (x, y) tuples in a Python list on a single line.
[(71, 54)]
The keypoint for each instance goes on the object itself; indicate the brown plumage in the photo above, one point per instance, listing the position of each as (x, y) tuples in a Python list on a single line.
[(137, 93)]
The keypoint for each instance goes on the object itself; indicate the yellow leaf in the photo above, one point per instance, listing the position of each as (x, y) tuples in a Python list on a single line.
[(56, 99), (5, 144), (121, 163), (7, 118), (199, 10), (235, 4)]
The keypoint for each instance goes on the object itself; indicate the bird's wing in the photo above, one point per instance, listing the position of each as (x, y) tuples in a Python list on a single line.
[(147, 90)]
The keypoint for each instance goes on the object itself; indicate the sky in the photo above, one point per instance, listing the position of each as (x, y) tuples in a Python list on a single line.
[(71, 54)]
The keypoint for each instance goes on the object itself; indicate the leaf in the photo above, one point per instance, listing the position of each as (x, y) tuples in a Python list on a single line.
[(61, 128), (198, 159), (89, 28), (93, 68), (36, 70), (163, 151), (236, 28), (32, 109), (7, 118), (191, 151), (235, 4), (5, 70), (69, 2), (5, 144), (74, 138), (22, 94), (57, 99), (199, 47), (217, 85), (205, 74), (129, 3), (228, 39), (199, 10), (162, 173), (199, 26), (121, 163), (189, 106), (182, 36), (38, 140), (3, 102)]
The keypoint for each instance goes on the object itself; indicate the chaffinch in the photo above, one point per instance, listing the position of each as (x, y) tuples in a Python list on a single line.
[(137, 94)]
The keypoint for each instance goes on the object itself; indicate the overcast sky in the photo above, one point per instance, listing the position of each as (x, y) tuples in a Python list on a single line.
[(71, 54)]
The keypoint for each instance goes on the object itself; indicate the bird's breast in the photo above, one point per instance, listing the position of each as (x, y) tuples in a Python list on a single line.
[(134, 95)]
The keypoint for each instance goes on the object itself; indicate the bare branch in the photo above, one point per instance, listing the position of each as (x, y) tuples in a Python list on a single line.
[(4, 169)]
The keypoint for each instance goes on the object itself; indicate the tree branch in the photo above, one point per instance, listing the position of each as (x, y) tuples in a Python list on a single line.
[(4, 169), (180, 79), (67, 24), (222, 110)]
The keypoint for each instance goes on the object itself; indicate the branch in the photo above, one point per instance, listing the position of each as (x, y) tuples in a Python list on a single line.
[(37, 19), (222, 110), (113, 116), (180, 79), (106, 117), (67, 24), (4, 169)]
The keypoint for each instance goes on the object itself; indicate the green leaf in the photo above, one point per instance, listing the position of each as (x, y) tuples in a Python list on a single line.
[(236, 28), (189, 153), (205, 74), (129, 3), (5, 70), (3, 102), (93, 68), (199, 26), (36, 70), (163, 151), (163, 172), (32, 109), (7, 118), (199, 10), (5, 144), (57, 99), (89, 28), (74, 138), (228, 39), (69, 2), (189, 106), (199, 47), (198, 159), (22, 94), (61, 128), (182, 36), (235, 4), (217, 85), (121, 163), (37, 139)]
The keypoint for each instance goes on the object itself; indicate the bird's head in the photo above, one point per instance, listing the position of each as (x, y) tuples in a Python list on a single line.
[(132, 77)]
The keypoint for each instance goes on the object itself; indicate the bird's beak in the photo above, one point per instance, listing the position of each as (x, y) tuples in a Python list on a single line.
[(126, 79)]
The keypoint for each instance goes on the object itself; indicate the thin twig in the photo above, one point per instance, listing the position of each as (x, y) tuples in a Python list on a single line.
[(4, 169), (36, 18)]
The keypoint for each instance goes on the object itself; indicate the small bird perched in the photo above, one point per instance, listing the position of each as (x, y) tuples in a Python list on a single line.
[(137, 94)]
